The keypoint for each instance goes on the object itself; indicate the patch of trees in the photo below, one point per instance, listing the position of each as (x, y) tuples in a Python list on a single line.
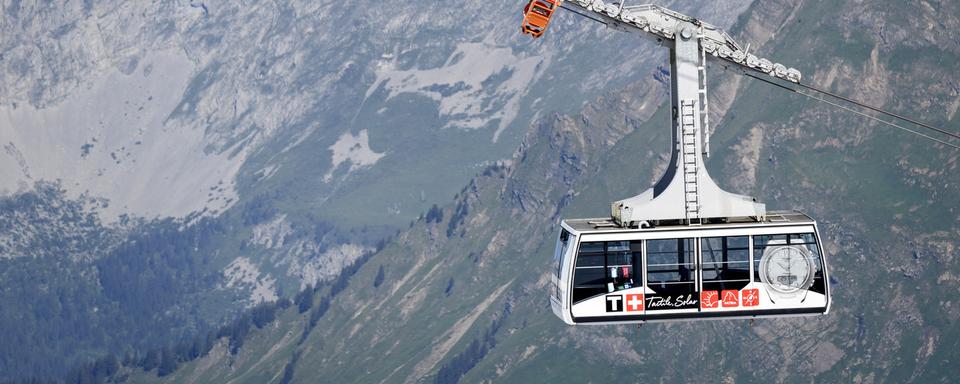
[(289, 369), (459, 214), (449, 288), (452, 371), (378, 279), (337, 286), (166, 360), (497, 167), (434, 215), (84, 289), (304, 299), (134, 303), (258, 210)]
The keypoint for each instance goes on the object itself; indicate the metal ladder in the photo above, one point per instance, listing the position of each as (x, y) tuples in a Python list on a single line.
[(688, 150)]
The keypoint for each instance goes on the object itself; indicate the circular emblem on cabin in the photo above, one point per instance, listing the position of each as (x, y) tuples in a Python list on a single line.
[(786, 268)]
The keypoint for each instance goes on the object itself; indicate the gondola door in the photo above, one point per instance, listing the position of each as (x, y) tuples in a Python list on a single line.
[(672, 277), (607, 281)]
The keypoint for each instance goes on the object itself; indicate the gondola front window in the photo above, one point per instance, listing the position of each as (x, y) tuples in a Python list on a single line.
[(563, 243), (806, 243)]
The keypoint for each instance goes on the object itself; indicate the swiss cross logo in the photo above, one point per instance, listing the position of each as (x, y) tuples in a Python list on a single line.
[(615, 303), (751, 297), (731, 298), (709, 299), (634, 303)]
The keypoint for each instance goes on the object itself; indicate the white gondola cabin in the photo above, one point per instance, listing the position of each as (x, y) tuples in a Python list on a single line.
[(607, 274), (685, 248)]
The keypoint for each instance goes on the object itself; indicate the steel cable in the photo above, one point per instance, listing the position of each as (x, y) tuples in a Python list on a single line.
[(848, 109)]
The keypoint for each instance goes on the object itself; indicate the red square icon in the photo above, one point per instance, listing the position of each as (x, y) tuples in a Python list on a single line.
[(709, 299), (731, 298), (751, 297), (634, 303)]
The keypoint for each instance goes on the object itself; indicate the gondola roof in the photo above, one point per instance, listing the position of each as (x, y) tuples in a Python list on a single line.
[(773, 218)]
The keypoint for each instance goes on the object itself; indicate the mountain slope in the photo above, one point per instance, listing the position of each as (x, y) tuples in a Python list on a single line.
[(303, 132), (464, 298), (463, 292)]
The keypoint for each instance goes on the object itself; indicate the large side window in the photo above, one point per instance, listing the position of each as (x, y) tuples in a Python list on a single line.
[(604, 267), (670, 266), (804, 240), (726, 262), (588, 277), (620, 269)]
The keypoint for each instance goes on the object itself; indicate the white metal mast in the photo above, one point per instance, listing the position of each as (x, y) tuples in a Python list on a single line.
[(685, 192)]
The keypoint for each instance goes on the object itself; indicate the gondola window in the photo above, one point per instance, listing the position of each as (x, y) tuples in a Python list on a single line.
[(726, 262), (604, 267), (564, 245), (804, 240), (589, 275), (670, 266)]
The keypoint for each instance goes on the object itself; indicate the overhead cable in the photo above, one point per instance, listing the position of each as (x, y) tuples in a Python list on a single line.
[(846, 99), (875, 109), (848, 109), (584, 15)]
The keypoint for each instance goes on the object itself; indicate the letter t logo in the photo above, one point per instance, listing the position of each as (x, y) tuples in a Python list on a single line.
[(615, 303)]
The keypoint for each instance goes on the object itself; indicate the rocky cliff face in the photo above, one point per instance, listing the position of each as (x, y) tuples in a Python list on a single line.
[(170, 109), (297, 133), (464, 297)]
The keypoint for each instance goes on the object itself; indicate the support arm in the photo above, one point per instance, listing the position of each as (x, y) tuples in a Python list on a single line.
[(662, 24)]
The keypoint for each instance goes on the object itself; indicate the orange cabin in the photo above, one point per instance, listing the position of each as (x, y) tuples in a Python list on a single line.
[(536, 16)]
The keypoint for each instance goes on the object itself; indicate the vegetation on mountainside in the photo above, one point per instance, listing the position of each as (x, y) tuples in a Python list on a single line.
[(895, 267)]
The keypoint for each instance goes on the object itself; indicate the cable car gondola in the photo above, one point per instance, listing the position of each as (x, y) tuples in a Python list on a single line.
[(608, 274), (536, 16), (685, 248)]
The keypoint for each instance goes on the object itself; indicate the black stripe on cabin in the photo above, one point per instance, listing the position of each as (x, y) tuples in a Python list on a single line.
[(701, 315)]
